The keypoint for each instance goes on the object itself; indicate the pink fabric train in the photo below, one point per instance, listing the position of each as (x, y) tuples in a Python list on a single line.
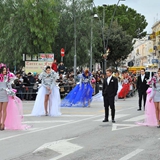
[(15, 114), (150, 115)]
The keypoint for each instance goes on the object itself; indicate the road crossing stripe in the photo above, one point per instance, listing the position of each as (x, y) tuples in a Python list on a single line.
[(116, 117), (132, 154), (135, 119)]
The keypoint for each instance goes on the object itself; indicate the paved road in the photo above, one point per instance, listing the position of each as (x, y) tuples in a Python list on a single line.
[(80, 134)]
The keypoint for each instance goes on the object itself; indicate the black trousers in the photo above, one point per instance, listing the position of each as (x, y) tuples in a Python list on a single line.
[(142, 95), (109, 101)]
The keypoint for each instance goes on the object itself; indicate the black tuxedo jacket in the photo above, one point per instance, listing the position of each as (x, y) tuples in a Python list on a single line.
[(110, 90), (142, 86)]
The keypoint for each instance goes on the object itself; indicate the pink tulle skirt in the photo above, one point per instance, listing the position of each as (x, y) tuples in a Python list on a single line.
[(15, 115), (150, 114)]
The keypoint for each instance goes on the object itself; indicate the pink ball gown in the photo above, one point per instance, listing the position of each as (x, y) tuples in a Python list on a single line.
[(15, 115), (150, 115)]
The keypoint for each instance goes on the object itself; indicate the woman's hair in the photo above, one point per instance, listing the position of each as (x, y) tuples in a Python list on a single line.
[(1, 69), (86, 71), (48, 67)]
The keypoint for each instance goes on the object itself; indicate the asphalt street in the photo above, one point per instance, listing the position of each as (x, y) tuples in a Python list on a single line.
[(80, 134)]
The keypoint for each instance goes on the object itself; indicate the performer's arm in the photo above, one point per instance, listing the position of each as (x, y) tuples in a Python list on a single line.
[(103, 88), (10, 81), (116, 86), (152, 92), (137, 83)]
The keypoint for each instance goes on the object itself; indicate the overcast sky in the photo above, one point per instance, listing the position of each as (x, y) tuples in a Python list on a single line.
[(149, 8)]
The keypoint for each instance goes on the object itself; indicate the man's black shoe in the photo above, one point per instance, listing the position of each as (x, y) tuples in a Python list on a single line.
[(138, 109), (105, 120), (113, 121)]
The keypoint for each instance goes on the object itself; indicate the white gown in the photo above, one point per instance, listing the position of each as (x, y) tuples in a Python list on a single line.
[(53, 104), (54, 98)]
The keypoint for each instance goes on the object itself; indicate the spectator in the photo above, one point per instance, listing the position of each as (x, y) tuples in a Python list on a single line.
[(54, 66), (20, 87), (61, 84), (32, 81), (71, 81), (61, 68)]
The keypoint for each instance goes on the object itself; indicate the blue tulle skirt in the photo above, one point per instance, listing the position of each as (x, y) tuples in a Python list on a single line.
[(79, 96)]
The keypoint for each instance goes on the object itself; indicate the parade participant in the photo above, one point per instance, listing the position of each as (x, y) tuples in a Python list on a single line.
[(155, 95), (5, 89), (142, 87), (10, 105), (48, 98), (125, 86), (150, 116), (81, 94), (109, 91)]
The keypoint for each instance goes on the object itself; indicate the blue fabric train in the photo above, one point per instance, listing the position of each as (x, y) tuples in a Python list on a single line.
[(81, 94)]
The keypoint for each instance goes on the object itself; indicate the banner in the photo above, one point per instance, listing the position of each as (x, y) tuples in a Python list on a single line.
[(49, 57), (32, 66)]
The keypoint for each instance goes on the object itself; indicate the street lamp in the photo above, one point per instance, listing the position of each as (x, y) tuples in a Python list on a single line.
[(75, 40), (91, 52), (102, 26)]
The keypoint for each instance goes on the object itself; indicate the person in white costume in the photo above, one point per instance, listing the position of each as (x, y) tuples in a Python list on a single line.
[(48, 97)]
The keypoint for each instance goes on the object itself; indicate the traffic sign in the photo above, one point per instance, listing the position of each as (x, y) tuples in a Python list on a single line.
[(62, 52)]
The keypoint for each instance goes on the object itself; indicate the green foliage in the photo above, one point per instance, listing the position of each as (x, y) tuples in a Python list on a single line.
[(26, 27), (119, 43), (132, 22), (65, 36), (37, 26)]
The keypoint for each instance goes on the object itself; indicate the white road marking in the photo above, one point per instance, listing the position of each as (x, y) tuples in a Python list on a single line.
[(63, 115), (63, 147), (73, 122), (54, 121), (70, 115), (122, 126), (116, 117), (51, 127), (132, 154), (135, 119)]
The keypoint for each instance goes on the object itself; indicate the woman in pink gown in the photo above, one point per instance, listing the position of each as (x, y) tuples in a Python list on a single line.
[(15, 114), (150, 113)]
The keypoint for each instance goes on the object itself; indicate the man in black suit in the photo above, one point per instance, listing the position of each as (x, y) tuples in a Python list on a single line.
[(109, 91), (142, 88)]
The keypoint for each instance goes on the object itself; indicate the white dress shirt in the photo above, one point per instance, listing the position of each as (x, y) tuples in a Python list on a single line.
[(142, 77), (108, 79)]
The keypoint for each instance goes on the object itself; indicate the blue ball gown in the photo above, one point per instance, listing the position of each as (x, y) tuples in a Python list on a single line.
[(80, 95)]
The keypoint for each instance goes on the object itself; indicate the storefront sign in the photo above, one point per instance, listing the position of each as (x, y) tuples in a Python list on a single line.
[(32, 66)]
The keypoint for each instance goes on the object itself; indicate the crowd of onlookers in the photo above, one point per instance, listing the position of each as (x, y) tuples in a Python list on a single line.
[(27, 84)]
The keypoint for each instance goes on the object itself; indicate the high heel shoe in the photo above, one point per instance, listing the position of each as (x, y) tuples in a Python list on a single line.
[(2, 128), (158, 124), (46, 114)]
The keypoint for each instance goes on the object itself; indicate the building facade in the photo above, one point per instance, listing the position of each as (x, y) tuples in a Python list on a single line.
[(146, 51)]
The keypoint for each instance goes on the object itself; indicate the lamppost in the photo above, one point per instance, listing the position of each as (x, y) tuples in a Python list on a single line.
[(102, 30), (75, 40), (91, 51)]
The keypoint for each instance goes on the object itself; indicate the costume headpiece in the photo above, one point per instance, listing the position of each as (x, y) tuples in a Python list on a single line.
[(2, 65)]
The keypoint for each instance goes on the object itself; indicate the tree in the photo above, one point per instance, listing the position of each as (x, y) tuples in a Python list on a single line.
[(27, 27), (65, 36), (119, 44), (131, 21)]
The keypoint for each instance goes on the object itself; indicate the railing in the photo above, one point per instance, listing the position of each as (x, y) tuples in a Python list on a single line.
[(29, 92)]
